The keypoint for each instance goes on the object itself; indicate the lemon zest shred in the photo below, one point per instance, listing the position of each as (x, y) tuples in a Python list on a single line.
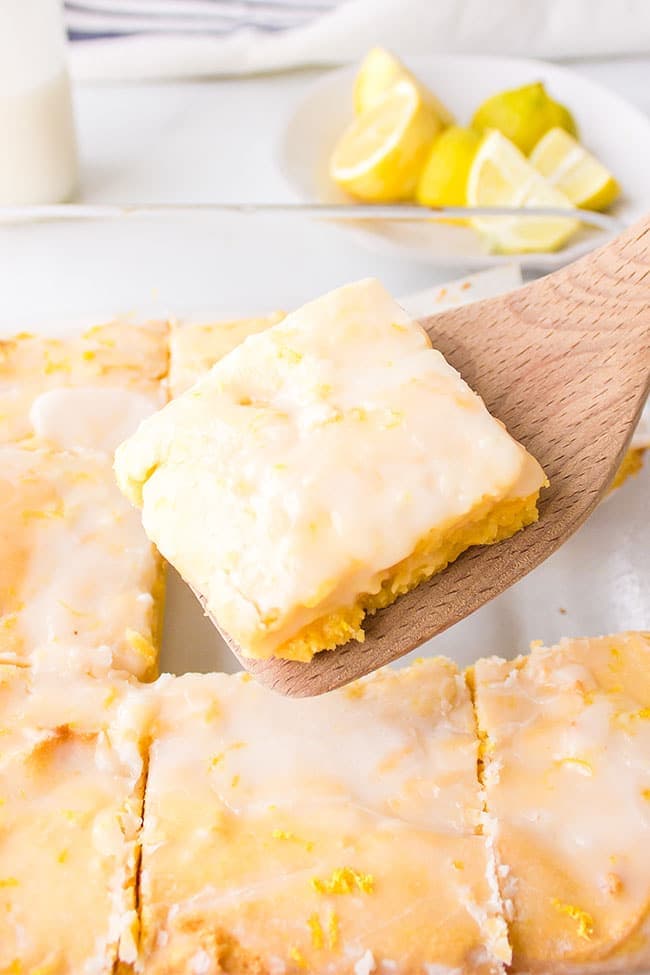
[(358, 413), (212, 712), (617, 659), (584, 920), (344, 880), (297, 956), (317, 934), (332, 931), (283, 834), (220, 756), (141, 645)]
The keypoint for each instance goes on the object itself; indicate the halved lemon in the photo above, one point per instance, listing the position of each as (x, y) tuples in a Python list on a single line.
[(567, 165), (379, 72), (502, 176), (380, 155), (443, 181)]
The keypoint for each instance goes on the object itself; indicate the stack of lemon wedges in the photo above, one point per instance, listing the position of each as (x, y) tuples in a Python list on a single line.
[(520, 150)]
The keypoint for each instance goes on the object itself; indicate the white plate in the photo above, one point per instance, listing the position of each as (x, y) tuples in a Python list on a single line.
[(58, 274), (613, 129)]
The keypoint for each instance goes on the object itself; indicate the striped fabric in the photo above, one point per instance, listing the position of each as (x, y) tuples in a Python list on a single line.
[(87, 19)]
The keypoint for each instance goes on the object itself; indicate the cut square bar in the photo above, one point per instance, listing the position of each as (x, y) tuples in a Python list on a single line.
[(90, 390), (335, 835), (323, 468), (567, 774), (71, 790), (81, 586)]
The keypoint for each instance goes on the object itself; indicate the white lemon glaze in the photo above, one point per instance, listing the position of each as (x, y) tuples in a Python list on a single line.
[(98, 418)]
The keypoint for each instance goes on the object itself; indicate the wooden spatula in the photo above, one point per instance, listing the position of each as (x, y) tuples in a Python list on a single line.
[(565, 363)]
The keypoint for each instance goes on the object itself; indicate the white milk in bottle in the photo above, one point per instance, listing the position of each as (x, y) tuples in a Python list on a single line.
[(38, 151)]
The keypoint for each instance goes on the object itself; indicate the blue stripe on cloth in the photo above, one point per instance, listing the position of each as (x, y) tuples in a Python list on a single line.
[(115, 18)]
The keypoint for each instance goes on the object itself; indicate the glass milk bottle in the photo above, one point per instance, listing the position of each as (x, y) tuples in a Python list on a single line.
[(38, 152)]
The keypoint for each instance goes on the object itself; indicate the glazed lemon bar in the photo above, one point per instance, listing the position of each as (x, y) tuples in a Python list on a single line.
[(567, 777), (80, 583), (91, 390), (71, 787), (321, 469), (194, 347), (350, 847)]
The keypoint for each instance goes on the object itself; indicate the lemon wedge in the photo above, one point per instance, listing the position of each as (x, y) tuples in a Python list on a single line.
[(443, 181), (380, 155), (523, 115), (580, 176), (502, 176), (379, 72)]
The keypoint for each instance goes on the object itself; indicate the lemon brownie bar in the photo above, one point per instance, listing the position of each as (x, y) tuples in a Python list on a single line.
[(567, 775), (335, 835), (324, 467), (194, 347), (90, 390), (71, 788), (80, 583)]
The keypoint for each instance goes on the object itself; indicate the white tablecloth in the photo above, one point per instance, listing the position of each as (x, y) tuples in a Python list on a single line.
[(234, 37)]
